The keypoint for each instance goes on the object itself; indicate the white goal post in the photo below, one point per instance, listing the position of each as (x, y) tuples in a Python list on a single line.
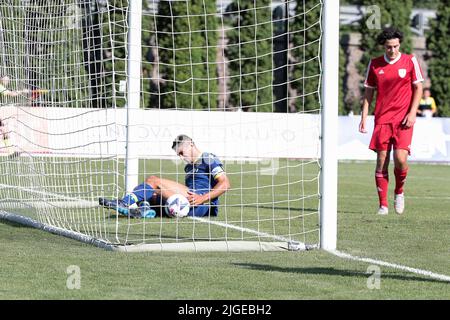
[(103, 88), (330, 96)]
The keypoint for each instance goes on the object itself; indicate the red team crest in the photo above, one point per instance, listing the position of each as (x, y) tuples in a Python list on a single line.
[(393, 81)]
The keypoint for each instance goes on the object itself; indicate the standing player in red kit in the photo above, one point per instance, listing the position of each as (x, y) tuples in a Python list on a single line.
[(397, 78)]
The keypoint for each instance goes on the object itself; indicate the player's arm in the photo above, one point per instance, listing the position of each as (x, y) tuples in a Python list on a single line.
[(368, 96), (370, 83), (222, 185), (410, 118)]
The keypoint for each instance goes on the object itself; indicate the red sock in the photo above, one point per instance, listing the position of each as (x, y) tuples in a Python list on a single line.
[(382, 182), (400, 178)]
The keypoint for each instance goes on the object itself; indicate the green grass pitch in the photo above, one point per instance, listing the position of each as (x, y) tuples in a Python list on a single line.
[(34, 264)]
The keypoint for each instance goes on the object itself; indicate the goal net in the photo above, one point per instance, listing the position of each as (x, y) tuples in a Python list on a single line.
[(79, 120)]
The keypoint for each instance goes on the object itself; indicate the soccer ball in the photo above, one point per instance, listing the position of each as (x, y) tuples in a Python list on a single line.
[(177, 206)]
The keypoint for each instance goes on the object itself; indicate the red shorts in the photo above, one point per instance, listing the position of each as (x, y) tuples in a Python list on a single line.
[(388, 135)]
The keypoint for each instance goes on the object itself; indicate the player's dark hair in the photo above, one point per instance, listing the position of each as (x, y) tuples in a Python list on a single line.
[(180, 139), (388, 34)]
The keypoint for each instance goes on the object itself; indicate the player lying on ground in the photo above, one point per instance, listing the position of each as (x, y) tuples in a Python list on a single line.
[(205, 181)]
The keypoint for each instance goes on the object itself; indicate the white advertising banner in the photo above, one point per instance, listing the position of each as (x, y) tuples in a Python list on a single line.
[(431, 140), (230, 135), (102, 132)]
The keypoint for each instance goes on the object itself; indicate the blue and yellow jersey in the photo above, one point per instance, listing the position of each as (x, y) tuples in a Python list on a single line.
[(427, 104), (202, 174)]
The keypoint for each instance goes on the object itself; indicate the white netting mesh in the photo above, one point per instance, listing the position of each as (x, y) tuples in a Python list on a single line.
[(242, 78)]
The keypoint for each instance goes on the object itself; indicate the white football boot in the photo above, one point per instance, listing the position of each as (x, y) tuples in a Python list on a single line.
[(399, 203), (383, 211)]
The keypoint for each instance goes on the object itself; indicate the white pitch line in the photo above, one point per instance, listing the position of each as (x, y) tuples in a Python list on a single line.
[(82, 203), (295, 244), (426, 273), (299, 245)]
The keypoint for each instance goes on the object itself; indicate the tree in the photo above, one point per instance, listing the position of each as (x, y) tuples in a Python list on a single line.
[(187, 38), (428, 4), (380, 14), (93, 53), (306, 32), (250, 54), (149, 98), (42, 49), (438, 43), (281, 59), (343, 107), (114, 30)]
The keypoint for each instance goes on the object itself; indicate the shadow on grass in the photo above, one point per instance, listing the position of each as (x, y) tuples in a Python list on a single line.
[(329, 271), (290, 208), (244, 206)]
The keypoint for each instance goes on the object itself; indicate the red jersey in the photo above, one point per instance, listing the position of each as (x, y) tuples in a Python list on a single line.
[(393, 81)]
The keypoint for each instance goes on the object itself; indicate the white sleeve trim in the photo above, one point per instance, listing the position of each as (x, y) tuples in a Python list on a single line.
[(367, 75), (419, 76)]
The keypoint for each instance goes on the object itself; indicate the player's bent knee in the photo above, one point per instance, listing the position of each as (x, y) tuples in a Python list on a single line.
[(153, 181)]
